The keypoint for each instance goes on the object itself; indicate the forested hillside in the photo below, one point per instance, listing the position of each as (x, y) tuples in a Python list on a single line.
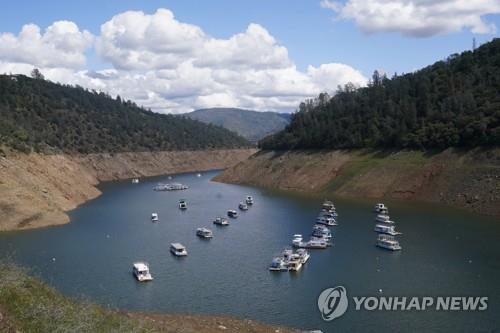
[(253, 125), (452, 103), (39, 115)]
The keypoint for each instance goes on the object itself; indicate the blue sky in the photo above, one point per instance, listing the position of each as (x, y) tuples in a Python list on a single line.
[(309, 32)]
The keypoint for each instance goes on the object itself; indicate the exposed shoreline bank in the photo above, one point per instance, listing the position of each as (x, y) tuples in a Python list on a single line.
[(37, 190), (467, 179)]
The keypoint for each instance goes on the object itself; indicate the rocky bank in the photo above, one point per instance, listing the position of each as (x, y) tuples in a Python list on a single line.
[(468, 179), (36, 190)]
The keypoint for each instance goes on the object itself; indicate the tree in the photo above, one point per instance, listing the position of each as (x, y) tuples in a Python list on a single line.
[(36, 74)]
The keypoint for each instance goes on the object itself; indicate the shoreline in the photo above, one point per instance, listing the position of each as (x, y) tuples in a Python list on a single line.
[(468, 179), (38, 190)]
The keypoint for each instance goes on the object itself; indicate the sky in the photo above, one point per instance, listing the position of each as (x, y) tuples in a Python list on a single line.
[(179, 55)]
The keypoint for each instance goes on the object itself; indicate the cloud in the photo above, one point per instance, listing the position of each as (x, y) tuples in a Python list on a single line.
[(61, 45), (171, 66), (417, 18)]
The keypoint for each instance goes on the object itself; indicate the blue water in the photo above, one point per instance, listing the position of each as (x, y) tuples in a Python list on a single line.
[(445, 252)]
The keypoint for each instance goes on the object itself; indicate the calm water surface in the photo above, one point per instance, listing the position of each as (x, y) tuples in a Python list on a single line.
[(445, 253)]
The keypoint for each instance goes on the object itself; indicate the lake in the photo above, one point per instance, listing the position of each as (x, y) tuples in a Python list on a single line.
[(446, 252)]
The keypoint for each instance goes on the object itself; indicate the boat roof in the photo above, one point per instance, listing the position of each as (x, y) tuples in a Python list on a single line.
[(177, 246), (141, 266)]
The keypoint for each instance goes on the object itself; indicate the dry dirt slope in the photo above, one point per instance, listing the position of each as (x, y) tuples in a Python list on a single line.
[(36, 190), (469, 179)]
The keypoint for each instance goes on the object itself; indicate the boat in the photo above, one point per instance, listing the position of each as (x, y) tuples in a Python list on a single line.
[(381, 208), (232, 213), (243, 206), (386, 229), (331, 214), (154, 217), (303, 255), (140, 270), (178, 249), (322, 233), (170, 187), (204, 233), (383, 218), (329, 221), (315, 243), (320, 241), (135, 180), (198, 175), (183, 204), (278, 265), (294, 262), (328, 205), (249, 200), (221, 221), (297, 240), (388, 242)]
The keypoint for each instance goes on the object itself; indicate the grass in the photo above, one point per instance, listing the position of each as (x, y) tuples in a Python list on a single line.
[(28, 305)]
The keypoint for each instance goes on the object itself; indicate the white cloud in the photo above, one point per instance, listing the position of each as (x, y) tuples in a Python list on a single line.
[(62, 45), (417, 18), (171, 66)]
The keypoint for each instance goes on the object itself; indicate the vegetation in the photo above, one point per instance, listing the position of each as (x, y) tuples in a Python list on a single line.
[(44, 116), (453, 103), (27, 305), (252, 125)]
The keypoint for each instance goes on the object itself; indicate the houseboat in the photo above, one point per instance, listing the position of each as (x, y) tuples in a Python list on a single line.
[(388, 242), (222, 221), (178, 249), (204, 233), (140, 270), (183, 204), (232, 213)]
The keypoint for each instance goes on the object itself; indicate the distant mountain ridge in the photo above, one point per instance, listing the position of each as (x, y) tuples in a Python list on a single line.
[(252, 125)]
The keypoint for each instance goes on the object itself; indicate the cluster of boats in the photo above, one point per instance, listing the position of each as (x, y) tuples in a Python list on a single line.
[(170, 187), (386, 229), (140, 269), (321, 238), (243, 206)]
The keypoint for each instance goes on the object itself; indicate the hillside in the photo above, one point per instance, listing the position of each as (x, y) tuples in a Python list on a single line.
[(39, 115), (252, 125), (462, 178), (452, 103)]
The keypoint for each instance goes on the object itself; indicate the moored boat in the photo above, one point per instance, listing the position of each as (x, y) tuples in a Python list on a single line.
[(183, 204), (154, 217), (232, 213), (141, 272), (178, 249), (386, 229), (249, 200), (381, 208), (329, 221), (243, 206), (222, 221), (204, 233), (278, 265), (328, 205), (383, 218), (388, 242)]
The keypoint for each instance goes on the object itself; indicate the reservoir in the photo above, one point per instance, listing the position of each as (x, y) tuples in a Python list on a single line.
[(446, 252)]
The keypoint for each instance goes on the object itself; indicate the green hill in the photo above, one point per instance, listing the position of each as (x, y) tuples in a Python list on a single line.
[(252, 125), (45, 116), (452, 103)]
